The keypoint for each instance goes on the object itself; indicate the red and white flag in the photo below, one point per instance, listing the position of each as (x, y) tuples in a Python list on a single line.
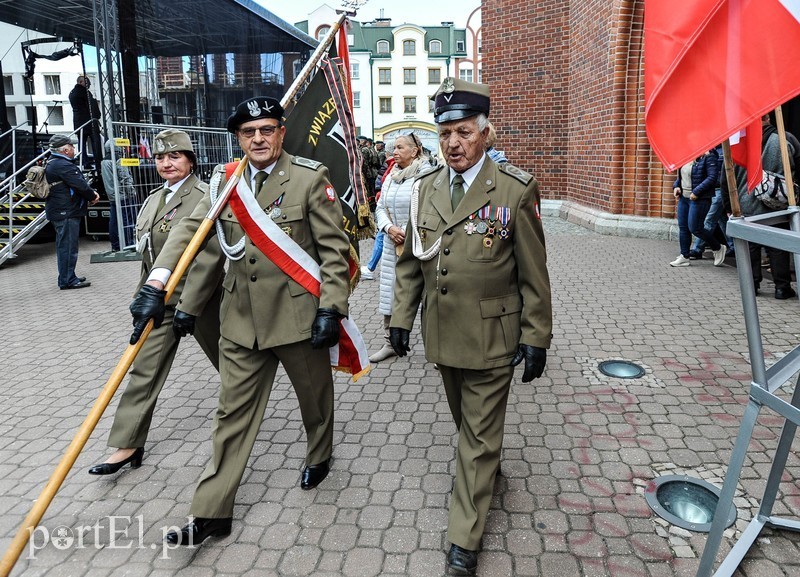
[(746, 152), (350, 353), (144, 148), (713, 67)]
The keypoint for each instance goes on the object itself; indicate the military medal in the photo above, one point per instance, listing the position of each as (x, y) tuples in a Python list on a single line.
[(287, 230), (469, 226), (481, 227), (274, 210), (167, 219), (504, 213), (487, 241)]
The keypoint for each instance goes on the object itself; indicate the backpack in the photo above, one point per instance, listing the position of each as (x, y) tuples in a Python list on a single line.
[(771, 191), (36, 183)]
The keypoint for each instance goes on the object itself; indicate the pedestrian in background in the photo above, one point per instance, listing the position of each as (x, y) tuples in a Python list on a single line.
[(120, 192), (68, 202)]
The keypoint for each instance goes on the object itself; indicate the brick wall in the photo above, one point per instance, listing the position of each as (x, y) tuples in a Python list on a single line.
[(568, 100)]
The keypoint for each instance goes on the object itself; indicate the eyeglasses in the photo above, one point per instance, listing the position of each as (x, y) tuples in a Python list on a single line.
[(268, 130)]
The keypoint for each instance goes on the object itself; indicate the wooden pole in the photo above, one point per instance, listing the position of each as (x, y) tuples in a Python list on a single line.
[(107, 393), (730, 176), (787, 167)]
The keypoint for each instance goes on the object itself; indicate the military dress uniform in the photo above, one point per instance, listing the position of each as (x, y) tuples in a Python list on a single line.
[(266, 318), (152, 365), (485, 292)]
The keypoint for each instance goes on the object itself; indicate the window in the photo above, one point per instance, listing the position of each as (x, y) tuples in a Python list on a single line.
[(383, 47), (356, 99), (430, 105), (8, 85), (409, 47), (52, 84), (11, 112), (384, 75), (354, 70), (410, 104), (434, 75), (459, 46), (30, 111), (480, 75), (385, 103), (435, 47), (322, 32), (297, 67), (409, 75), (55, 115), (465, 74), (28, 84)]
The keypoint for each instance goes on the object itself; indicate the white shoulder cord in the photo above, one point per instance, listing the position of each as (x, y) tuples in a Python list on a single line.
[(235, 252), (417, 241)]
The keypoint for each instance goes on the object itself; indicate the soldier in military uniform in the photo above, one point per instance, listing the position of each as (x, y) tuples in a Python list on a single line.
[(165, 207), (475, 258), (266, 317)]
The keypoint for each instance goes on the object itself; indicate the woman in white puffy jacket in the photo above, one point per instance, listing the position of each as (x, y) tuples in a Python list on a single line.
[(392, 215)]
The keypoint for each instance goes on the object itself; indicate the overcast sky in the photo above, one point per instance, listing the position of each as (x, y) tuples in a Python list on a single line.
[(422, 12)]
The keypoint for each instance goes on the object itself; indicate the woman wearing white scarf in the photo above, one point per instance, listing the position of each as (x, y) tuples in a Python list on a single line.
[(391, 214)]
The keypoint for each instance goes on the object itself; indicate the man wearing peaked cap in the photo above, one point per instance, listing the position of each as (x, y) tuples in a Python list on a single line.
[(266, 318), (475, 254)]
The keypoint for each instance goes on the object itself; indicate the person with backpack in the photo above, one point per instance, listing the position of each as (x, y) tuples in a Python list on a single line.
[(68, 201)]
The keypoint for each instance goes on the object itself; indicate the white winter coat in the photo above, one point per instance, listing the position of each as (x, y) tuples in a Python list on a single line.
[(392, 209)]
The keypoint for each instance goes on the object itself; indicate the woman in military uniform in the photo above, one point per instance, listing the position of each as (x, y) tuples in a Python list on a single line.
[(163, 209)]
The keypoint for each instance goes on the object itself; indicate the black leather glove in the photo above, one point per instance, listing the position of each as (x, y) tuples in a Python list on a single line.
[(182, 324), (147, 304), (325, 330), (535, 360), (398, 338)]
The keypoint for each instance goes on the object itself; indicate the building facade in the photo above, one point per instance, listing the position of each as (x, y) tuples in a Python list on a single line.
[(395, 69)]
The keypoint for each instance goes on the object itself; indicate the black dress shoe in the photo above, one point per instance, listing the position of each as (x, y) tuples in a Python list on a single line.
[(461, 561), (109, 468), (785, 293), (77, 285), (198, 530), (314, 474)]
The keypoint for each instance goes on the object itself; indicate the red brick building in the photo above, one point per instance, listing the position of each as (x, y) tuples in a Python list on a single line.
[(568, 105)]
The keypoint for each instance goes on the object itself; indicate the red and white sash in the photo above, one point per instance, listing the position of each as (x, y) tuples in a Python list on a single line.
[(350, 354)]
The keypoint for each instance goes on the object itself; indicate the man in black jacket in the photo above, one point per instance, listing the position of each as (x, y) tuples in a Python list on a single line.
[(85, 108), (70, 195)]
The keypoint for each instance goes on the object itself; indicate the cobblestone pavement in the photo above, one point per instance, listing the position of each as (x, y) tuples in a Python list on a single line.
[(579, 446)]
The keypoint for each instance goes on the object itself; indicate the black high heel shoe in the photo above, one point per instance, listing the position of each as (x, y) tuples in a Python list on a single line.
[(109, 468)]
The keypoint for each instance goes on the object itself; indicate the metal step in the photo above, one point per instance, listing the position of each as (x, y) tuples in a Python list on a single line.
[(21, 219), (30, 206)]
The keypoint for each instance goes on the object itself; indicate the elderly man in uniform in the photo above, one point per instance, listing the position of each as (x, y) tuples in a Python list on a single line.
[(266, 317), (475, 257)]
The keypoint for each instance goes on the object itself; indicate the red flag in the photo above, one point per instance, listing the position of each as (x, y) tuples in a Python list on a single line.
[(746, 152), (344, 54), (713, 67)]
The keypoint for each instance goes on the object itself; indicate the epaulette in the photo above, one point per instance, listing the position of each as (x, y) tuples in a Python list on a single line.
[(512, 170), (307, 162)]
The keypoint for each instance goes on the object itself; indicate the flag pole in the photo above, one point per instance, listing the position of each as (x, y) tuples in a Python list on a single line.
[(787, 167), (64, 466), (733, 190)]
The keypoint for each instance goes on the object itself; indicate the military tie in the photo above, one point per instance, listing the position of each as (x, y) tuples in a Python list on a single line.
[(162, 202), (458, 190), (260, 178)]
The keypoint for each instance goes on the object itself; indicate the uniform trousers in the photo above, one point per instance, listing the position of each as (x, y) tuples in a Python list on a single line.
[(477, 400), (150, 371), (247, 378)]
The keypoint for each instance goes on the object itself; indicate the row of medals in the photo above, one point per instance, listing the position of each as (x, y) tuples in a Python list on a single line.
[(487, 225), (274, 211)]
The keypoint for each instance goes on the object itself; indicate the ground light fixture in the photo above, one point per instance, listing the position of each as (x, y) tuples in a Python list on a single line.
[(686, 502), (621, 369)]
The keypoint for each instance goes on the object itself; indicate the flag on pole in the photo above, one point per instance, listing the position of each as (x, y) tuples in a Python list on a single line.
[(344, 54), (144, 147), (320, 126), (713, 67)]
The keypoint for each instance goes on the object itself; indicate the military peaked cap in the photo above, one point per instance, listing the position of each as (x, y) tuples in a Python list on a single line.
[(457, 99)]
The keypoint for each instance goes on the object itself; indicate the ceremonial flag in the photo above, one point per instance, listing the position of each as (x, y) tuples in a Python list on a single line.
[(320, 126), (344, 54), (144, 148), (713, 67)]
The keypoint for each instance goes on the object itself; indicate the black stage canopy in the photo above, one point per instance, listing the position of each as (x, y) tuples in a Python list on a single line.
[(169, 27)]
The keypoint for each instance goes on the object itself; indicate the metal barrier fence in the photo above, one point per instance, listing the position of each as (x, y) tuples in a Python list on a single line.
[(212, 146)]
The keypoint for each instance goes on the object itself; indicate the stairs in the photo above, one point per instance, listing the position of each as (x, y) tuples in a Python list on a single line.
[(21, 217)]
